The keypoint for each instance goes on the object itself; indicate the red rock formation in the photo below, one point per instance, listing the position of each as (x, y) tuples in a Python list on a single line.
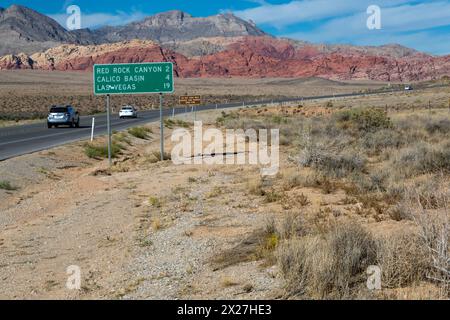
[(248, 57)]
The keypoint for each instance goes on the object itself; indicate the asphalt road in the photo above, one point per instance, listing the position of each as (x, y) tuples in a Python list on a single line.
[(24, 139)]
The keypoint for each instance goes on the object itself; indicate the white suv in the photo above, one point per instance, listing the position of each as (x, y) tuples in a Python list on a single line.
[(128, 112)]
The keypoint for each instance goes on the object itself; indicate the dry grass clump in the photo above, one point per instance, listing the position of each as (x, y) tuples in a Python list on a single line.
[(434, 229), (423, 158), (155, 156), (272, 195), (255, 187), (329, 265), (376, 142), (96, 151), (437, 126), (228, 282), (403, 259), (291, 226), (363, 119), (140, 132), (334, 164), (330, 262), (177, 123), (293, 181), (155, 202), (6, 185), (122, 137)]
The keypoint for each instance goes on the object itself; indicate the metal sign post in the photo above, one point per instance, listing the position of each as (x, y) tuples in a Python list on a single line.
[(133, 78), (108, 116), (161, 124)]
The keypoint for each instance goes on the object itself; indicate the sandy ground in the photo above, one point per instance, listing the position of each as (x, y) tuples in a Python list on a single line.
[(67, 211)]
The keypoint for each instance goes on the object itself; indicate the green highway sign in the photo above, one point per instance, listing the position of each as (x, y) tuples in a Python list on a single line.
[(133, 78)]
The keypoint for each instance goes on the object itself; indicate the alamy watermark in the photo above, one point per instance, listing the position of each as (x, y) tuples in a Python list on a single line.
[(374, 278), (74, 277), (374, 20), (73, 22), (236, 147)]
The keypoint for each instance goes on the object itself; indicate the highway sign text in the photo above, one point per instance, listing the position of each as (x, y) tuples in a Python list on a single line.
[(133, 78), (190, 100)]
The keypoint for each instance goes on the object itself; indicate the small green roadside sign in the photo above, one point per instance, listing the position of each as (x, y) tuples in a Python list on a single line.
[(133, 78)]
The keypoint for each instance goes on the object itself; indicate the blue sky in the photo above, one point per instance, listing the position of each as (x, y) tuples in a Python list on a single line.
[(423, 25)]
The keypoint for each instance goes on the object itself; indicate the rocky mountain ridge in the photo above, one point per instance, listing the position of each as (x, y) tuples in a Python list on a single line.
[(242, 57)]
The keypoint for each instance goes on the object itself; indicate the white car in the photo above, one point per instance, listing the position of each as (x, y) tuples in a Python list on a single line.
[(128, 112)]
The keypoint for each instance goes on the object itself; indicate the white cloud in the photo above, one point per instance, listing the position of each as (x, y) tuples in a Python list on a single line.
[(282, 15), (409, 23), (94, 20)]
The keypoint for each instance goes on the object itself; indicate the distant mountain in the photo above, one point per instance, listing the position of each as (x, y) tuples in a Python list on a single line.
[(25, 30), (177, 26), (244, 57), (391, 50)]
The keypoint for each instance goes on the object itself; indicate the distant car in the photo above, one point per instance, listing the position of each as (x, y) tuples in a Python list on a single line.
[(408, 88), (128, 112), (63, 115)]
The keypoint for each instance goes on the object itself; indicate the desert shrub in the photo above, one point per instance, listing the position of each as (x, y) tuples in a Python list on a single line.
[(288, 135), (255, 187), (328, 266), (403, 260), (101, 151), (140, 132), (6, 185), (226, 117), (295, 259), (293, 181), (375, 181), (155, 202), (272, 196), (284, 140), (155, 156), (251, 124), (170, 123), (364, 119), (399, 212), (291, 226), (423, 158), (329, 104), (333, 164), (122, 138), (434, 229), (433, 126), (382, 139)]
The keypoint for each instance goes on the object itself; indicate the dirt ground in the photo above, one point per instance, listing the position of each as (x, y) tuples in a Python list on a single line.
[(68, 211)]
